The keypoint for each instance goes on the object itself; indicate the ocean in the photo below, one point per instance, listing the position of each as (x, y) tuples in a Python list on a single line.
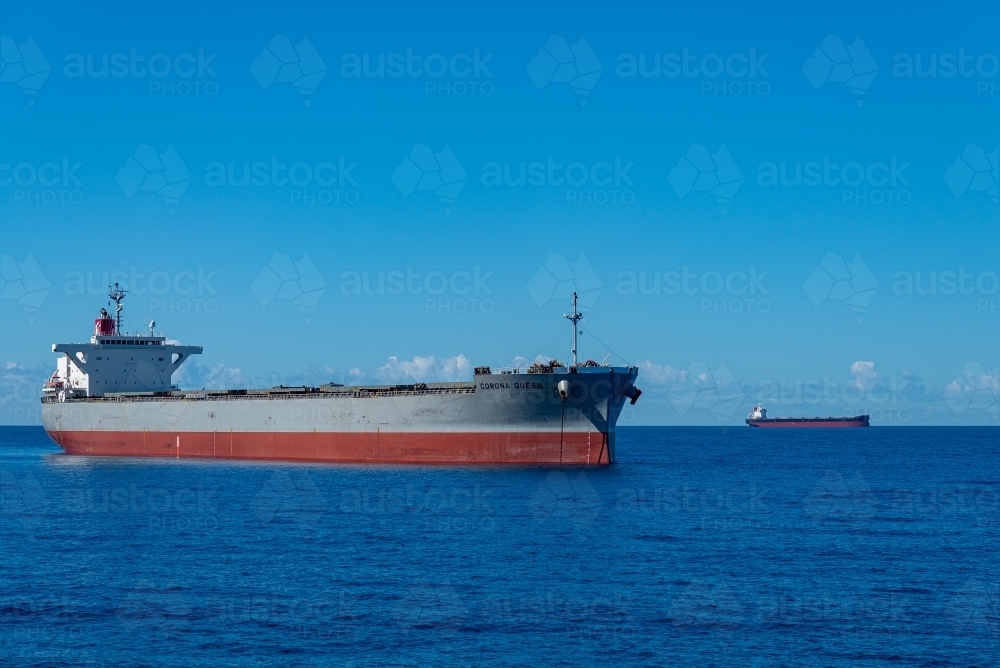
[(699, 547)]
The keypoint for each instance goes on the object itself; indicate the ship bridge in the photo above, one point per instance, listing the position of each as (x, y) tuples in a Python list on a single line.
[(114, 361)]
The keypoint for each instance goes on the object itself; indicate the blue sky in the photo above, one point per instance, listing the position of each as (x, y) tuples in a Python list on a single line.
[(636, 178)]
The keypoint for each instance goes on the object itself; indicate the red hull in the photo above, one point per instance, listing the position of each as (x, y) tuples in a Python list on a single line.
[(800, 424), (380, 447)]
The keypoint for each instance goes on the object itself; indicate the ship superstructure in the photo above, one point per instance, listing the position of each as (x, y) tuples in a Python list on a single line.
[(114, 361), (114, 396)]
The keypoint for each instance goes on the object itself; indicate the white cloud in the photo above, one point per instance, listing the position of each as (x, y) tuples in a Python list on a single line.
[(911, 385), (457, 368), (975, 388), (314, 376), (193, 376), (659, 374), (864, 374), (425, 369), (21, 384)]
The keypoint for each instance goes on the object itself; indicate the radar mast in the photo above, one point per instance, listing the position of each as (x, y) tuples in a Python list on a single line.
[(574, 317), (116, 294)]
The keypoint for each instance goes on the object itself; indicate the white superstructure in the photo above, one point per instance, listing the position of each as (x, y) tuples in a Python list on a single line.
[(114, 361)]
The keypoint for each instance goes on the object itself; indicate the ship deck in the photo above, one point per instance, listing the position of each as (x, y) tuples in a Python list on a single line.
[(279, 393)]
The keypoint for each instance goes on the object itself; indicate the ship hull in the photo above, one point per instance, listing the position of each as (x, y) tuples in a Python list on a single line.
[(498, 419), (586, 448), (807, 423)]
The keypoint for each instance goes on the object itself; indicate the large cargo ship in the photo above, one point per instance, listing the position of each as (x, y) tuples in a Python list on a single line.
[(758, 418), (114, 396)]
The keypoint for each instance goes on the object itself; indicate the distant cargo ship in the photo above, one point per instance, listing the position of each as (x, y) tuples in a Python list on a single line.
[(114, 396), (758, 418)]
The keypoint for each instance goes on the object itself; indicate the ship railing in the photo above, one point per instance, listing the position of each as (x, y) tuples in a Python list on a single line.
[(526, 368), (264, 395)]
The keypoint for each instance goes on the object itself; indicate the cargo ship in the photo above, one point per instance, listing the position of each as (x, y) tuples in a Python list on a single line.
[(758, 418), (114, 396)]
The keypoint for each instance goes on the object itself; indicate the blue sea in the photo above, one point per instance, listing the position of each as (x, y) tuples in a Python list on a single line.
[(699, 547)]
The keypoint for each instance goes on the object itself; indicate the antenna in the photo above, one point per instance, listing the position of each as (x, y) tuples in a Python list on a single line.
[(116, 294), (574, 317), (152, 324)]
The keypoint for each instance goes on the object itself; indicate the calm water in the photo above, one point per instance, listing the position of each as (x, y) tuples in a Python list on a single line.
[(700, 547)]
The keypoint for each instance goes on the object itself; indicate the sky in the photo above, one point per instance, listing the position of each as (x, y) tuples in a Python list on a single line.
[(794, 205)]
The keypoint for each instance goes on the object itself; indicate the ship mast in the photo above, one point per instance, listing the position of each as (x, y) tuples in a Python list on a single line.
[(574, 317), (116, 294)]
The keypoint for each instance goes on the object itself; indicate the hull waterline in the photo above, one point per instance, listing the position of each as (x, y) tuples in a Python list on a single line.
[(790, 423), (590, 448)]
